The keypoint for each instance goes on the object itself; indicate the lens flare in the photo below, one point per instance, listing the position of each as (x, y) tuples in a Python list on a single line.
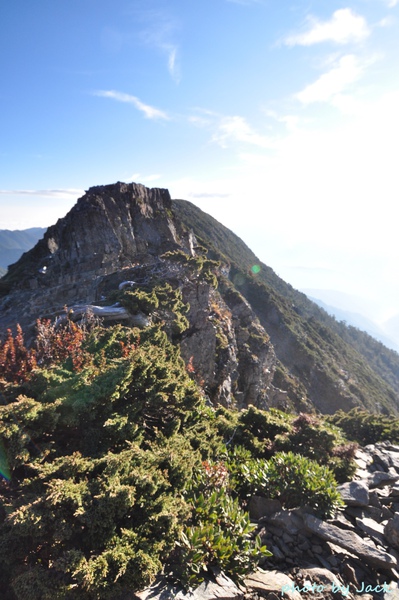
[(4, 467), (255, 269)]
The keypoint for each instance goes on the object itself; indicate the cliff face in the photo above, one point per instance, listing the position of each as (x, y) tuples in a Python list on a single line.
[(116, 235), (110, 228)]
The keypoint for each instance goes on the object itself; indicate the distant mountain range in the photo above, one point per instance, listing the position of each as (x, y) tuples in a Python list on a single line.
[(14, 243), (388, 333)]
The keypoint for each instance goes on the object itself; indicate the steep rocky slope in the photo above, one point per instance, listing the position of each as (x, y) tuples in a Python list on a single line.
[(252, 340), (339, 366)]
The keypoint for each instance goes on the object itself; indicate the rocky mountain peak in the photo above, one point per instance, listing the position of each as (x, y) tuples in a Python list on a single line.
[(108, 229), (116, 236)]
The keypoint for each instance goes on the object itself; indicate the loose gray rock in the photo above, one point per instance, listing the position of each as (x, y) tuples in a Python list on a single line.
[(324, 578), (264, 583), (372, 529), (350, 541), (381, 479), (354, 493), (222, 589), (391, 531), (287, 520)]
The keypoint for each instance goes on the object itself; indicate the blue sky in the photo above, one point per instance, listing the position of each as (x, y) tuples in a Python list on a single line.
[(278, 118)]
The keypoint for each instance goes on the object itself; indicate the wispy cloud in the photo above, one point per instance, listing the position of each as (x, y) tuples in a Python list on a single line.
[(236, 129), (60, 193), (150, 112), (137, 177), (333, 83), (173, 62), (244, 2), (344, 27), (160, 33)]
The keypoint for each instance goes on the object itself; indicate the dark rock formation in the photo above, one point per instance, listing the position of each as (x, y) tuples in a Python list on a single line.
[(110, 228), (115, 237)]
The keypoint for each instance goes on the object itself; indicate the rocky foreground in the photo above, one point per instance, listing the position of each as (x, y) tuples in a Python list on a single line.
[(355, 555)]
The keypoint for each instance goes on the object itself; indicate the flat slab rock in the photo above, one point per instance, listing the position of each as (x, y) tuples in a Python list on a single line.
[(351, 542), (222, 589), (261, 583), (268, 582), (381, 479)]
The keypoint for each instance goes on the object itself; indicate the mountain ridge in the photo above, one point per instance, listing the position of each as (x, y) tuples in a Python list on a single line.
[(14, 242), (121, 232), (384, 361)]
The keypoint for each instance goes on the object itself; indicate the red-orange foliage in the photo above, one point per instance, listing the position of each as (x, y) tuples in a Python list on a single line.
[(216, 475), (55, 344), (129, 348), (16, 361), (189, 366)]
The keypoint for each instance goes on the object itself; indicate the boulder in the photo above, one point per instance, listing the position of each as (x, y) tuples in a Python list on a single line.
[(354, 493), (263, 507), (287, 520), (381, 479)]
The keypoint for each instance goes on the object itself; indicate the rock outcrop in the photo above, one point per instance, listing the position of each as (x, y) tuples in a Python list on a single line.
[(116, 237), (109, 229)]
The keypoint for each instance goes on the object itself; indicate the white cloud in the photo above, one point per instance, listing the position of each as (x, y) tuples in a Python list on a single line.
[(139, 178), (392, 3), (208, 194), (150, 178), (21, 209), (324, 194), (61, 193), (344, 27), (331, 84), (173, 63), (150, 112), (290, 121), (236, 129)]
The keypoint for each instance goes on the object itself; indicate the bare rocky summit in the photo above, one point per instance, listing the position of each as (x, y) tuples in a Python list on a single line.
[(116, 236)]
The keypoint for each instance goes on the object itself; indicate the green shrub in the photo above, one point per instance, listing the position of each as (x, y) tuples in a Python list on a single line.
[(221, 535), (321, 442), (365, 427), (291, 478)]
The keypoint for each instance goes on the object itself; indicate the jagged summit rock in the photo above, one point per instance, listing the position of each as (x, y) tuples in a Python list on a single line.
[(107, 229)]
